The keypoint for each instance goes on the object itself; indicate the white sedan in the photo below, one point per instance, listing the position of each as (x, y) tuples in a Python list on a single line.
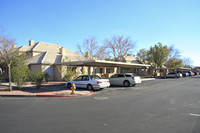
[(89, 82)]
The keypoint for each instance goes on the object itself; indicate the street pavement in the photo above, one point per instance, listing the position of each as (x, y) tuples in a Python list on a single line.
[(155, 106)]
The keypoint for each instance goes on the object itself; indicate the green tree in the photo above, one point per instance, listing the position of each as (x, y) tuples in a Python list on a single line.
[(158, 55), (19, 70), (20, 75), (109, 59), (38, 78), (1, 77), (143, 55), (68, 71), (174, 63)]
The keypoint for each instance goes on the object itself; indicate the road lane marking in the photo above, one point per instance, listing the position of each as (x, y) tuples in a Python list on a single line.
[(194, 114), (100, 98)]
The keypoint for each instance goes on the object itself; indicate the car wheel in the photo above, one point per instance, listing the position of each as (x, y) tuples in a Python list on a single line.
[(134, 85), (69, 85), (176, 76), (89, 87), (126, 83)]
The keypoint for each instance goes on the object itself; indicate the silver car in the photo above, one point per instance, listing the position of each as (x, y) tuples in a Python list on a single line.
[(173, 75), (125, 79)]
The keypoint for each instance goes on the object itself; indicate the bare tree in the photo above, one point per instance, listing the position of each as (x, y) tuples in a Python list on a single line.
[(91, 49), (120, 47), (174, 52), (174, 59), (187, 62), (7, 53)]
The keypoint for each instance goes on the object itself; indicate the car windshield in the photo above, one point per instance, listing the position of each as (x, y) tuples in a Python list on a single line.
[(79, 78), (134, 74), (94, 77), (114, 76)]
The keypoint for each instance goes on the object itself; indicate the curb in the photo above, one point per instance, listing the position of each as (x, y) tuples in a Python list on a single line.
[(91, 92), (17, 95), (38, 95)]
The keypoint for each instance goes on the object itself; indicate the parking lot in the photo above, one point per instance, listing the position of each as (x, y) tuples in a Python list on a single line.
[(154, 106)]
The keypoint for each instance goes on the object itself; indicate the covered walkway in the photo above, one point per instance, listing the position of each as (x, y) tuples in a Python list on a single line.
[(117, 66)]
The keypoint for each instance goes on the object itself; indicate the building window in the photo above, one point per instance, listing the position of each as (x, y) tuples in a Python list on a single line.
[(109, 70), (98, 70), (125, 70), (101, 70)]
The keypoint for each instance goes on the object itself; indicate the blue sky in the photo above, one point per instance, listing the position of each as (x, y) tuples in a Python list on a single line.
[(69, 22)]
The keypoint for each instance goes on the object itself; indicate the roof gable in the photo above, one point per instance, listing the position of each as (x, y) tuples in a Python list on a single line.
[(25, 48), (36, 59), (51, 53), (43, 47)]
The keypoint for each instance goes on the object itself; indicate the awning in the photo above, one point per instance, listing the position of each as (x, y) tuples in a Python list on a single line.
[(183, 68), (103, 63)]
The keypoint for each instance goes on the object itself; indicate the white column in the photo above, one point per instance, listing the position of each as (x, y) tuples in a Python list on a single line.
[(115, 69)]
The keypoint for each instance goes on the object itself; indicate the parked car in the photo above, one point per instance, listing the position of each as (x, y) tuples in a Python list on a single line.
[(196, 72), (125, 79), (185, 74), (173, 75), (90, 82), (191, 73)]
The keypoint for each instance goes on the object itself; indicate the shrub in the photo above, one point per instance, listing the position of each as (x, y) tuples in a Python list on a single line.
[(1, 77), (20, 75), (38, 78), (69, 75)]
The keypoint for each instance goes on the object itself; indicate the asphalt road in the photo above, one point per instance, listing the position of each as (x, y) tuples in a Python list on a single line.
[(158, 106)]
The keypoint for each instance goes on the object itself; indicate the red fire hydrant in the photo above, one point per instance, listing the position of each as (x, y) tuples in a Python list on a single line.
[(73, 89)]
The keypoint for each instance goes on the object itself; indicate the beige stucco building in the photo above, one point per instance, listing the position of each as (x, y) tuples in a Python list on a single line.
[(54, 59), (48, 57)]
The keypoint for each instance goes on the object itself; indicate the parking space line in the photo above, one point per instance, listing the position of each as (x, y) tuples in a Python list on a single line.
[(101, 98), (194, 114)]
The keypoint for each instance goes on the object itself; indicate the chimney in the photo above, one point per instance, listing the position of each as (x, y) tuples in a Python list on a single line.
[(62, 51), (87, 54), (14, 46), (31, 43)]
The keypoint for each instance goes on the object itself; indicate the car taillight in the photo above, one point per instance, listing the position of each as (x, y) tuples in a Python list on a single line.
[(108, 81), (99, 82), (133, 78)]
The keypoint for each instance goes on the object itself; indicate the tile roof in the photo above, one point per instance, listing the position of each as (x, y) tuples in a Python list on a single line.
[(51, 54), (36, 59), (43, 47), (25, 48)]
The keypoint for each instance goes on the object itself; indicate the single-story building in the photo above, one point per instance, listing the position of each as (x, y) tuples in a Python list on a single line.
[(54, 59)]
